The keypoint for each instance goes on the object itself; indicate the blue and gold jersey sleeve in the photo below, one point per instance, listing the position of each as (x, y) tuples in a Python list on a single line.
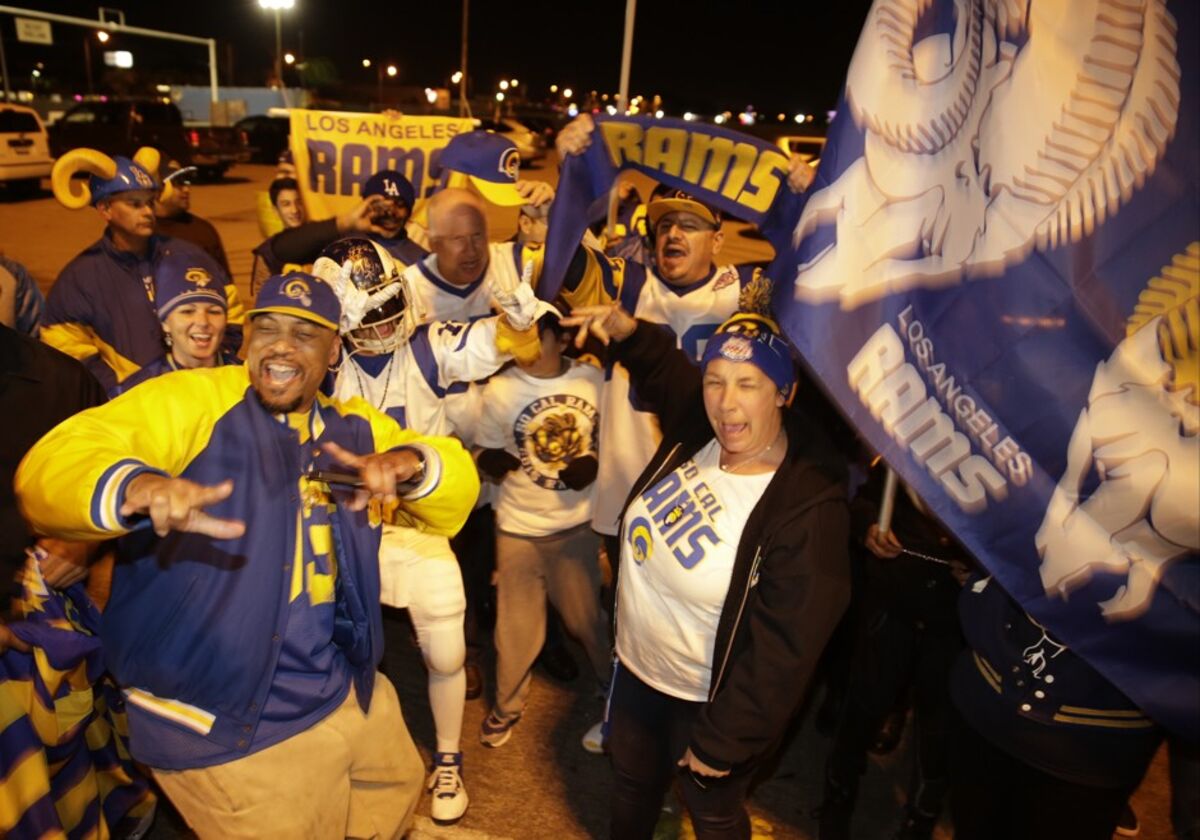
[(72, 482), (600, 282)]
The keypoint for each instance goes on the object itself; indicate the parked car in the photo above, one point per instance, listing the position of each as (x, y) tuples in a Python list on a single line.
[(265, 136), (24, 148), (531, 144), (122, 126)]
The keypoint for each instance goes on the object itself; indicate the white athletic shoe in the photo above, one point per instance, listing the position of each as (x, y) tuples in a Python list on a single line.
[(593, 739), (449, 798)]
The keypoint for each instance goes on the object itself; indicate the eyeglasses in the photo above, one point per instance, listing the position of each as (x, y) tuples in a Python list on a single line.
[(688, 226)]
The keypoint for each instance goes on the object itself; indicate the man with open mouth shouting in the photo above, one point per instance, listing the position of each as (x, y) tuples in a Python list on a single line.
[(244, 622)]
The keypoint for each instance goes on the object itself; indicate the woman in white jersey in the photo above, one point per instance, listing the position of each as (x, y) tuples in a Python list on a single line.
[(733, 571)]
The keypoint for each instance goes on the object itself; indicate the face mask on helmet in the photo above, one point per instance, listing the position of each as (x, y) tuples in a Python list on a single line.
[(373, 297)]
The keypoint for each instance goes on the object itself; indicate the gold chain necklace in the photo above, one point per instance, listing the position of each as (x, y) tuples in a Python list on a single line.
[(387, 382)]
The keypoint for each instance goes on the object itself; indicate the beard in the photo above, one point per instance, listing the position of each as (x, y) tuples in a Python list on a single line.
[(279, 406)]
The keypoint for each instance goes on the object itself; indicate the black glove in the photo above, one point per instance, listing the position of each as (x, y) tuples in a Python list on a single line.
[(579, 473), (497, 463)]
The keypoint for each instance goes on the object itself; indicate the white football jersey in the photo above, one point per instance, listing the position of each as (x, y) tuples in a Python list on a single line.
[(438, 300), (437, 358)]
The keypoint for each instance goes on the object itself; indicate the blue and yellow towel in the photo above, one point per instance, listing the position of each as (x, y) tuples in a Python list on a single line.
[(64, 767)]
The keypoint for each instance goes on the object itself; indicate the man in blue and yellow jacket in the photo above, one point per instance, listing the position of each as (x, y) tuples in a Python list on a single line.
[(101, 309), (244, 623)]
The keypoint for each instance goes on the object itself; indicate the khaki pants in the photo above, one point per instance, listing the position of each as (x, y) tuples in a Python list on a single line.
[(350, 775), (562, 566)]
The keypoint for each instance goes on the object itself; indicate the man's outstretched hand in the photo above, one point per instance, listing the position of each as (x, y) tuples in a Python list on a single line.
[(176, 504), (380, 472)]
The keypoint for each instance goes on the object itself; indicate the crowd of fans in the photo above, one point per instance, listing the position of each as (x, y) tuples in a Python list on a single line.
[(659, 478)]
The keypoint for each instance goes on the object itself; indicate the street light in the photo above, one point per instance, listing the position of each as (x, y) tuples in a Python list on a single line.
[(514, 83), (504, 85), (392, 71), (567, 93), (277, 6), (554, 88), (102, 36), (499, 97), (366, 62), (289, 59), (457, 77)]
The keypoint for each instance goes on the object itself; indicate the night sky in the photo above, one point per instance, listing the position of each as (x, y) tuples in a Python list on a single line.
[(702, 56)]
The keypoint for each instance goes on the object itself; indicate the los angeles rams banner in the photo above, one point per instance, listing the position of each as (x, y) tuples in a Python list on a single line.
[(996, 275), (743, 176), (336, 152)]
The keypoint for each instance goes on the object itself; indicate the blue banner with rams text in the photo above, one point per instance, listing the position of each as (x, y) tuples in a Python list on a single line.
[(996, 276), (742, 176)]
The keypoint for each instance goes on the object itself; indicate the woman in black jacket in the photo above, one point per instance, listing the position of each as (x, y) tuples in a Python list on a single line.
[(733, 570)]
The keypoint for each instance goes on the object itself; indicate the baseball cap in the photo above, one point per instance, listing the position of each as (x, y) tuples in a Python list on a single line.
[(390, 184), (677, 201), (490, 161), (181, 278), (300, 295)]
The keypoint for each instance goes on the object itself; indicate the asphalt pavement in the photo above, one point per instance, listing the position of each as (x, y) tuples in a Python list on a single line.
[(541, 785)]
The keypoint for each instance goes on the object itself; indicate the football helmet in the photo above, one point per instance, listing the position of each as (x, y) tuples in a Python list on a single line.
[(375, 300)]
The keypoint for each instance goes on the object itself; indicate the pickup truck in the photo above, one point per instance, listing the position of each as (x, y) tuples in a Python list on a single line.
[(122, 126)]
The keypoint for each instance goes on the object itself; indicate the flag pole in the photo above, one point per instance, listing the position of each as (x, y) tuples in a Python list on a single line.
[(888, 503)]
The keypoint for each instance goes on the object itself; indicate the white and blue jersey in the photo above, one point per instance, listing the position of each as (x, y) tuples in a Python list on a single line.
[(411, 384)]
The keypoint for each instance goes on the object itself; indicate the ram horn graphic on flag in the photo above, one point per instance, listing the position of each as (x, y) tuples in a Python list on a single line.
[(996, 275)]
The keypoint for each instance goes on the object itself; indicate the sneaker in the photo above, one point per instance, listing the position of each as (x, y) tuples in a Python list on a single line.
[(593, 739), (449, 797), (1127, 824), (495, 731)]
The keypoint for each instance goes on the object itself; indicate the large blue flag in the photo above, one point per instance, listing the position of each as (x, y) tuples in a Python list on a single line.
[(996, 275)]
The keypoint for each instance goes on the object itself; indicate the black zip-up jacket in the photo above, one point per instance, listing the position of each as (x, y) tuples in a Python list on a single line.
[(791, 574)]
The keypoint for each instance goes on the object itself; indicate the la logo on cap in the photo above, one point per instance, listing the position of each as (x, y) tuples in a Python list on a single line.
[(391, 188)]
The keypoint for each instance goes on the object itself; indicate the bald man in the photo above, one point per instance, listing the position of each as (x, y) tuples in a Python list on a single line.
[(454, 283)]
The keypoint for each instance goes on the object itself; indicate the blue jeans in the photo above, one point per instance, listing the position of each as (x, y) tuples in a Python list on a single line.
[(648, 733)]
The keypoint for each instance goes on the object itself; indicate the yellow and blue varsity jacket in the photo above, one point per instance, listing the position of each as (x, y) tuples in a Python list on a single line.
[(194, 625), (101, 310)]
